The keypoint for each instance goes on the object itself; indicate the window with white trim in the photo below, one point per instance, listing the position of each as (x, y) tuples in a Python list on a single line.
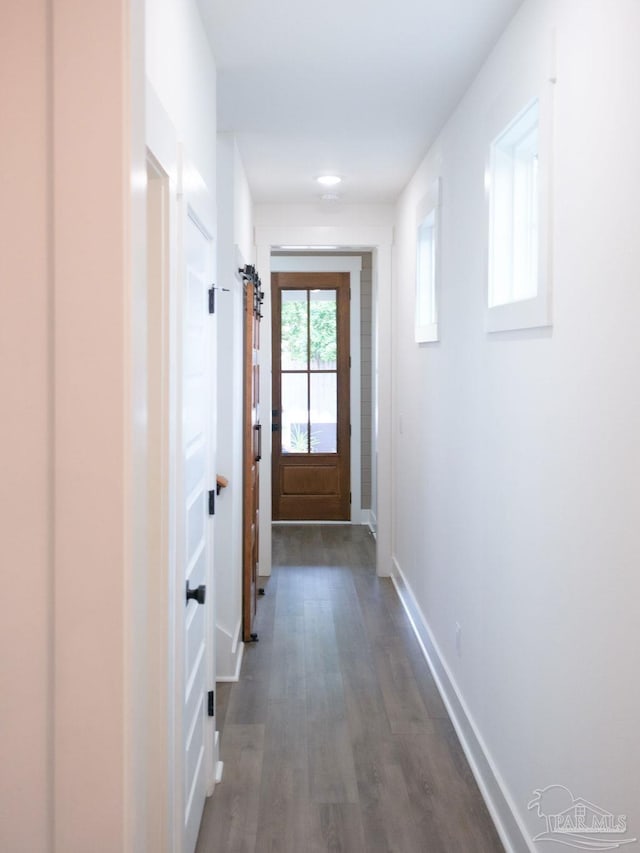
[(427, 267), (513, 211), (518, 172)]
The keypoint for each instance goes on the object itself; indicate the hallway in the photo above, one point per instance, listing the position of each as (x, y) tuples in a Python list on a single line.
[(335, 739)]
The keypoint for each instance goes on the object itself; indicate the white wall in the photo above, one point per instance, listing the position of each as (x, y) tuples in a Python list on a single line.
[(181, 68), (320, 214), (243, 209), (516, 455), (235, 247)]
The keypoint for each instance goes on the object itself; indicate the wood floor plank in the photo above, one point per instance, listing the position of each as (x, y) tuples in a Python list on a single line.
[(341, 827), (287, 674), (332, 776), (458, 810), (335, 738), (402, 700), (248, 699), (232, 823), (223, 692), (321, 648), (289, 822)]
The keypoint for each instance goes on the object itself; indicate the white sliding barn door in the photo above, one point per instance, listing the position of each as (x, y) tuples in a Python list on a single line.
[(196, 476)]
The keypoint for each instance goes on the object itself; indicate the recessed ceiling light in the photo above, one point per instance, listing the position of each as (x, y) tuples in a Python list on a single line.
[(328, 180)]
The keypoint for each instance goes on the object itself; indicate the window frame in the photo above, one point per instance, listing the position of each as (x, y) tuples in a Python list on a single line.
[(428, 207), (535, 311)]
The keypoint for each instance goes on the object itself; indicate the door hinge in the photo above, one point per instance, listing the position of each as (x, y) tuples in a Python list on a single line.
[(211, 703), (349, 361), (212, 299), (212, 502), (349, 430), (349, 497)]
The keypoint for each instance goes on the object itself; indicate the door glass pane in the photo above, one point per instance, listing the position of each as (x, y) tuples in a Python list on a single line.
[(323, 413), (294, 333), (324, 330), (295, 413)]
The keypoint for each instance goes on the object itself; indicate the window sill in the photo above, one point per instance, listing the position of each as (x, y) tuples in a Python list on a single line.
[(427, 334), (526, 314)]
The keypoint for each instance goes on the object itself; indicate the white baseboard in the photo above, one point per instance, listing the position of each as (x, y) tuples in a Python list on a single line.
[(235, 675), (512, 833), (236, 637), (217, 772), (310, 523), (362, 518), (373, 523), (229, 651)]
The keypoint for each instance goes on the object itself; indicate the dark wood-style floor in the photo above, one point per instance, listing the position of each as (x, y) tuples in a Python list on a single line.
[(335, 738)]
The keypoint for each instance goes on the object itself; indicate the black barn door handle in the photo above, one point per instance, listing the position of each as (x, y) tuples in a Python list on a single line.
[(258, 429)]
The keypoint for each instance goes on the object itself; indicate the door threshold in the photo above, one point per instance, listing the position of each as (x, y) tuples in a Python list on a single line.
[(318, 521)]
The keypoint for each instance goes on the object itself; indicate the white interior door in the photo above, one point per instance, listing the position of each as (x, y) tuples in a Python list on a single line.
[(197, 537)]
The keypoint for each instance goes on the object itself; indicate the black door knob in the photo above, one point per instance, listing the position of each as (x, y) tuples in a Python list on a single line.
[(198, 594)]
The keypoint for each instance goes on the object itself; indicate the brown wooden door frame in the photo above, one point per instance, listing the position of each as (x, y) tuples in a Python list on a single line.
[(330, 473), (252, 452)]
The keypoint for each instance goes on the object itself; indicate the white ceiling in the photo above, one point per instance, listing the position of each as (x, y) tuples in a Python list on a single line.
[(358, 88)]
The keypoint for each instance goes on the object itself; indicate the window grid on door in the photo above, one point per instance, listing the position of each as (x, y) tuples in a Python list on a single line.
[(309, 370)]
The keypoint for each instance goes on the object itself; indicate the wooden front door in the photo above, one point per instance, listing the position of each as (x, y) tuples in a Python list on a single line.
[(252, 431), (311, 430)]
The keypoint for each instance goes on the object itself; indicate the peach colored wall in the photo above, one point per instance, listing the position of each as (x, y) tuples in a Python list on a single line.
[(94, 391), (69, 755), (25, 431)]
